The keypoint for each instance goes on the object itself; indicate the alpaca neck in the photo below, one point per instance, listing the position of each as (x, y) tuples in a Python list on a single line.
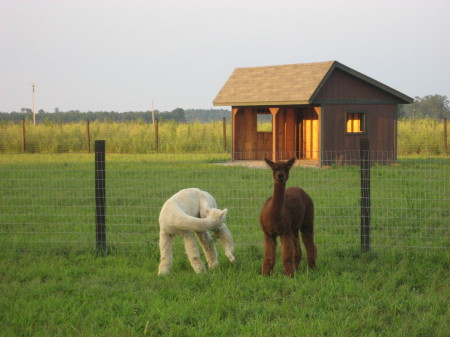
[(276, 204)]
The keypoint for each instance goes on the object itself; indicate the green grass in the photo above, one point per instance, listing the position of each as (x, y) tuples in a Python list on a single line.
[(64, 293), (53, 284), (50, 200)]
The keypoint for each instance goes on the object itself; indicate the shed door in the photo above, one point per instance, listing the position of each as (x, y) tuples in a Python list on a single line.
[(308, 133)]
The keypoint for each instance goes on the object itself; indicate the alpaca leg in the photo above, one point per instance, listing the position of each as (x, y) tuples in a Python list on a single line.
[(270, 248), (288, 254), (225, 238), (192, 252), (165, 248), (207, 243), (298, 250), (311, 249)]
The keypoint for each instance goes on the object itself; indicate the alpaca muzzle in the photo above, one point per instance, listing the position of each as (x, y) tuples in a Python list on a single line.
[(280, 177)]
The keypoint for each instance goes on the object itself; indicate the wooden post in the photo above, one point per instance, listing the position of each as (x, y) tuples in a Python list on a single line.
[(100, 196), (445, 136), (156, 135), (234, 112), (365, 194), (23, 135), (274, 112), (224, 123), (88, 138)]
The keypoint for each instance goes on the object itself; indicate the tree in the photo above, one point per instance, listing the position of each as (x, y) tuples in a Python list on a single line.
[(178, 115), (432, 106)]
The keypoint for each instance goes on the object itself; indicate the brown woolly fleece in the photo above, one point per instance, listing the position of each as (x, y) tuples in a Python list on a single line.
[(284, 214)]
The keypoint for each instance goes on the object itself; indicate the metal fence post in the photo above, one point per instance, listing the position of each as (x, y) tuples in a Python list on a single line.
[(100, 196), (365, 194)]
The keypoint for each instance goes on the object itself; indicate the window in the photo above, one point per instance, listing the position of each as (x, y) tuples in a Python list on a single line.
[(263, 122), (355, 122)]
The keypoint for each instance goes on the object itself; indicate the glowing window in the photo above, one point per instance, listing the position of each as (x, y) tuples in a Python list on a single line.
[(355, 122)]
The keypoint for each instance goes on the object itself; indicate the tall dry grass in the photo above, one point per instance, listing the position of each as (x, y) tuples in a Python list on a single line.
[(121, 137), (415, 137)]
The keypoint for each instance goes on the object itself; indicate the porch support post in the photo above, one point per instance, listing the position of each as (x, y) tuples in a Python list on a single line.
[(274, 112), (234, 112)]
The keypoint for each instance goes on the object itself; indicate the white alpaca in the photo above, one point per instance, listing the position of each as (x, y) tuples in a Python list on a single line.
[(193, 210)]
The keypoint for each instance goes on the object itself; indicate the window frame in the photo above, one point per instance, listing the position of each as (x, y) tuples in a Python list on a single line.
[(362, 122)]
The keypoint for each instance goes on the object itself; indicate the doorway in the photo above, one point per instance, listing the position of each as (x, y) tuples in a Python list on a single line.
[(307, 132)]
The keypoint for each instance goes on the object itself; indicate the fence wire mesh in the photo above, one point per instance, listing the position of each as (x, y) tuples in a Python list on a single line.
[(48, 200)]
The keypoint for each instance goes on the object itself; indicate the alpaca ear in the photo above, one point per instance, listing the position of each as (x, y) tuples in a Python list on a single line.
[(269, 162), (225, 211), (290, 162)]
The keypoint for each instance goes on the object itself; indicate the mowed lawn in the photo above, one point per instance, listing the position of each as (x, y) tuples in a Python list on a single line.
[(52, 283)]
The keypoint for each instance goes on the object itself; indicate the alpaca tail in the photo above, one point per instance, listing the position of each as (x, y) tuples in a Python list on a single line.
[(187, 222)]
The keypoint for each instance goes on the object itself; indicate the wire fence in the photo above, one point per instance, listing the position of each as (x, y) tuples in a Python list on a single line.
[(48, 201)]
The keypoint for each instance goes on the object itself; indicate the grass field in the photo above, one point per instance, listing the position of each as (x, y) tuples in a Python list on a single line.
[(59, 293), (415, 136), (53, 284), (49, 199)]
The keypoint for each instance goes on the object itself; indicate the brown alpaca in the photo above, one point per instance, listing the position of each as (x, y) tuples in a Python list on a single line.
[(284, 214)]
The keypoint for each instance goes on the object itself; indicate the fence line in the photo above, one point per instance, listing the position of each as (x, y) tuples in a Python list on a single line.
[(167, 137), (49, 201), (415, 137)]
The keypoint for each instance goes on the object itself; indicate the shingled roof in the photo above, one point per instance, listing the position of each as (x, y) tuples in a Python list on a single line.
[(286, 84)]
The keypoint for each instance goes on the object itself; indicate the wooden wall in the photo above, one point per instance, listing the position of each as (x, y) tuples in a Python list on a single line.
[(380, 129), (341, 86), (295, 134), (244, 134), (319, 131)]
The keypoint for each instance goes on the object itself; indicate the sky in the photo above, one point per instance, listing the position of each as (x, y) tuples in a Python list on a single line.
[(125, 55)]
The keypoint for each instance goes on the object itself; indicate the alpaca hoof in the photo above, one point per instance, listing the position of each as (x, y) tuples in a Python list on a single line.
[(199, 269), (163, 272), (265, 273), (213, 265), (231, 258)]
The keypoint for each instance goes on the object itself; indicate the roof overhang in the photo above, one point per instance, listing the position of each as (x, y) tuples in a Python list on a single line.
[(266, 103)]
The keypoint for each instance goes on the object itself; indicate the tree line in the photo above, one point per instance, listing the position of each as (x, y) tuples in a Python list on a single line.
[(431, 106), (178, 115)]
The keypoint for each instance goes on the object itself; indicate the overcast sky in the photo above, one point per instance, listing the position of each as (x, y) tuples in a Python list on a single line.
[(120, 55)]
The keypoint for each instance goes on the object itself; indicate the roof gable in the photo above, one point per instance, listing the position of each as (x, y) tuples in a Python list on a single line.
[(287, 84)]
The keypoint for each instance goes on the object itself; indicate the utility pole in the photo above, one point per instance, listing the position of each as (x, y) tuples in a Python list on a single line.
[(34, 113), (153, 114)]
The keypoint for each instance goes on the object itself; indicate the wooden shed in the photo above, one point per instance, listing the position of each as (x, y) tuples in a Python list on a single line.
[(318, 112)]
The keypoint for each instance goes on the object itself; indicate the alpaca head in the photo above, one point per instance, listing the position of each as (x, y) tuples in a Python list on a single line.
[(280, 169), (217, 214)]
